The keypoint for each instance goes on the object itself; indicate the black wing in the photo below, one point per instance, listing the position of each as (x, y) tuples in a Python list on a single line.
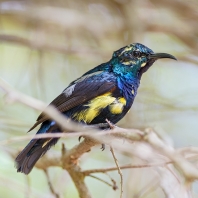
[(79, 92)]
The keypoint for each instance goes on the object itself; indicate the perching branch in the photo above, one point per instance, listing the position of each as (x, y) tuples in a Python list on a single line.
[(69, 158)]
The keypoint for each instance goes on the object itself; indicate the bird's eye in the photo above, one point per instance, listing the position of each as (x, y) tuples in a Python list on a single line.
[(136, 54)]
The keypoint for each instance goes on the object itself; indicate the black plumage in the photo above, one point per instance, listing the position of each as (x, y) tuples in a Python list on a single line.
[(105, 92)]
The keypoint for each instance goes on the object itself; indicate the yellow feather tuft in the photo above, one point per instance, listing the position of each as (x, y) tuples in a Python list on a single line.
[(117, 106), (94, 107), (122, 100)]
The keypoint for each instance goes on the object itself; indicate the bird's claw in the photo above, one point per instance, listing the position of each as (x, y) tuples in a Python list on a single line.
[(111, 125), (79, 138), (103, 147)]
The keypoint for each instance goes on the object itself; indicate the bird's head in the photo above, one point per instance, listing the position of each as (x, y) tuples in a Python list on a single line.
[(136, 59)]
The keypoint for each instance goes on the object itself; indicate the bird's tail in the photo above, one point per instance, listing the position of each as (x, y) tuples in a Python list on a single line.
[(28, 157)]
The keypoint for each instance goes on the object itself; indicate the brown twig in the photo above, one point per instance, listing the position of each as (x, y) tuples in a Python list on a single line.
[(113, 186), (119, 171), (128, 166), (50, 184), (70, 163), (78, 179), (113, 181)]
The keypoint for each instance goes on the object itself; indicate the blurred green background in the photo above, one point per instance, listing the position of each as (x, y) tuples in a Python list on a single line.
[(44, 45)]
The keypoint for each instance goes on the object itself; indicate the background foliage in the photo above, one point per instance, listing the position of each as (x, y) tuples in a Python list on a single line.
[(44, 45)]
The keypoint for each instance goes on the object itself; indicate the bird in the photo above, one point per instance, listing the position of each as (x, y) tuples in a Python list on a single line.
[(105, 92)]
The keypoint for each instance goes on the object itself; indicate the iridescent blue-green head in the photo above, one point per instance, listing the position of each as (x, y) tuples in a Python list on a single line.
[(135, 59)]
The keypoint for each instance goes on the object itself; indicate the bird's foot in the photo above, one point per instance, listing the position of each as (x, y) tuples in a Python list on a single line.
[(103, 147), (111, 125), (80, 137)]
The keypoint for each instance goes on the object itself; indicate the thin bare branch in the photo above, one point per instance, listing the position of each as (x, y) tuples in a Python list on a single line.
[(113, 186), (50, 184), (119, 171), (128, 166)]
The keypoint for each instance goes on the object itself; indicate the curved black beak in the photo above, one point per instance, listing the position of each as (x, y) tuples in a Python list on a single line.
[(161, 55)]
